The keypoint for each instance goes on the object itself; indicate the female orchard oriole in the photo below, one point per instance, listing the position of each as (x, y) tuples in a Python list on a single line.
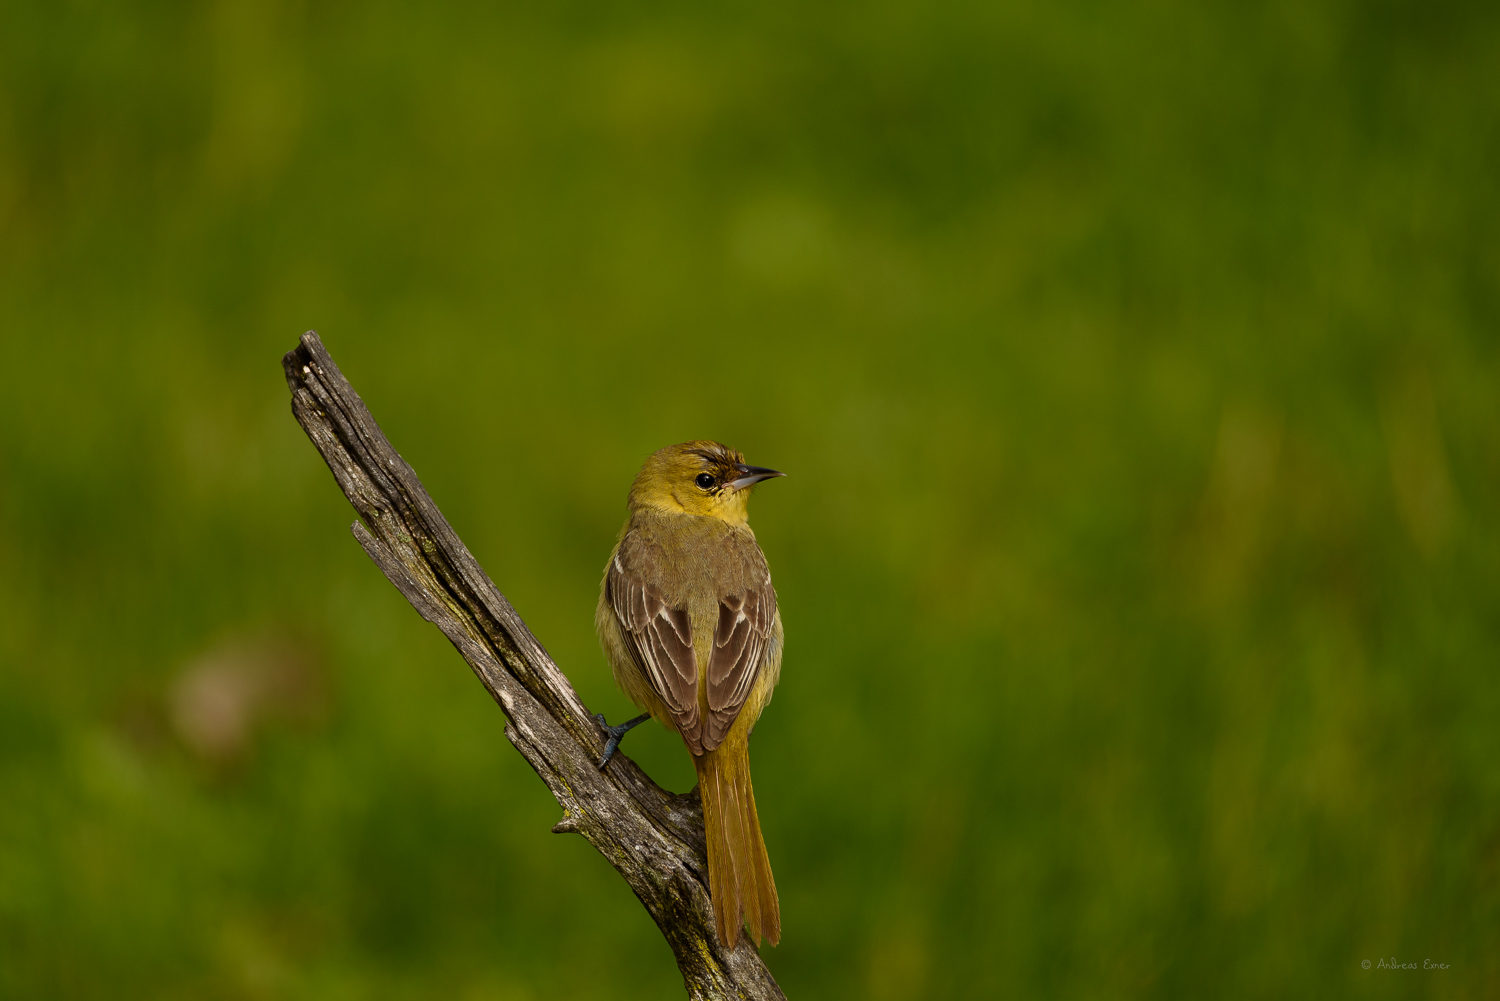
[(688, 621)]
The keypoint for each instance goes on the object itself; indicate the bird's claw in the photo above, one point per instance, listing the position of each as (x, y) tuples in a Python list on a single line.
[(616, 734)]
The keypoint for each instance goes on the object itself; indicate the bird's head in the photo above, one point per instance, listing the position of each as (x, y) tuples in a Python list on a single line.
[(698, 477)]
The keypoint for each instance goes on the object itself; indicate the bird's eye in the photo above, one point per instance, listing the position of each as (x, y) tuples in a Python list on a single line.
[(704, 481)]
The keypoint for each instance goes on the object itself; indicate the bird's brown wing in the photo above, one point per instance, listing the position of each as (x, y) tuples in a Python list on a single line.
[(745, 623), (661, 641)]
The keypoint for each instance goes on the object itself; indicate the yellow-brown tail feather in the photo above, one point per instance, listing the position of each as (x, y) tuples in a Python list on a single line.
[(739, 871)]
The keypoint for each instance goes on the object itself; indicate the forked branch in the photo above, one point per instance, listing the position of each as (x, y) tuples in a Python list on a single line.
[(652, 837)]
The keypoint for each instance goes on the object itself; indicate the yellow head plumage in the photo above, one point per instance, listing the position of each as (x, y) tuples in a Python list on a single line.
[(698, 477)]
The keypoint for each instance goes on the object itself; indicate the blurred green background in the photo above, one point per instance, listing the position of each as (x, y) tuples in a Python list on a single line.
[(1135, 366)]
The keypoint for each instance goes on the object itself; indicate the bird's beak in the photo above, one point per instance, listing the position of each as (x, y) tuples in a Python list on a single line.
[(751, 475)]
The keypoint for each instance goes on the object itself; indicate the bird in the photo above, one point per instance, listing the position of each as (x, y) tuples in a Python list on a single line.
[(689, 624)]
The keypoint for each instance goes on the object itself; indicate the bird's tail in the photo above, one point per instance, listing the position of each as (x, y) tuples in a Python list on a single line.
[(739, 871)]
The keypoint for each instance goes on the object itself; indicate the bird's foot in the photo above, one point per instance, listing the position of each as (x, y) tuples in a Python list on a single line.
[(616, 734)]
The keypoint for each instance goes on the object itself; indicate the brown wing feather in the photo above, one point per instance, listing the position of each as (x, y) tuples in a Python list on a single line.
[(744, 627), (661, 641)]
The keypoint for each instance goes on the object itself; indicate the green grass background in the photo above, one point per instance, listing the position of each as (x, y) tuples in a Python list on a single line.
[(1134, 364)]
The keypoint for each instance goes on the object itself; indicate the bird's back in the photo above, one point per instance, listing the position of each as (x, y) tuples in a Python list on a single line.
[(699, 567)]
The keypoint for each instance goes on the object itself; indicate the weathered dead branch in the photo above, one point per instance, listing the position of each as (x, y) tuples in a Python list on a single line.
[(652, 837)]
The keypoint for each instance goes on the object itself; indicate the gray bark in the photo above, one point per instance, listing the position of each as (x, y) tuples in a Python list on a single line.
[(652, 837)]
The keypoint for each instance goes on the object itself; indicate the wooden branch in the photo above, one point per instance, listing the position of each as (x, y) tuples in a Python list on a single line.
[(653, 837)]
